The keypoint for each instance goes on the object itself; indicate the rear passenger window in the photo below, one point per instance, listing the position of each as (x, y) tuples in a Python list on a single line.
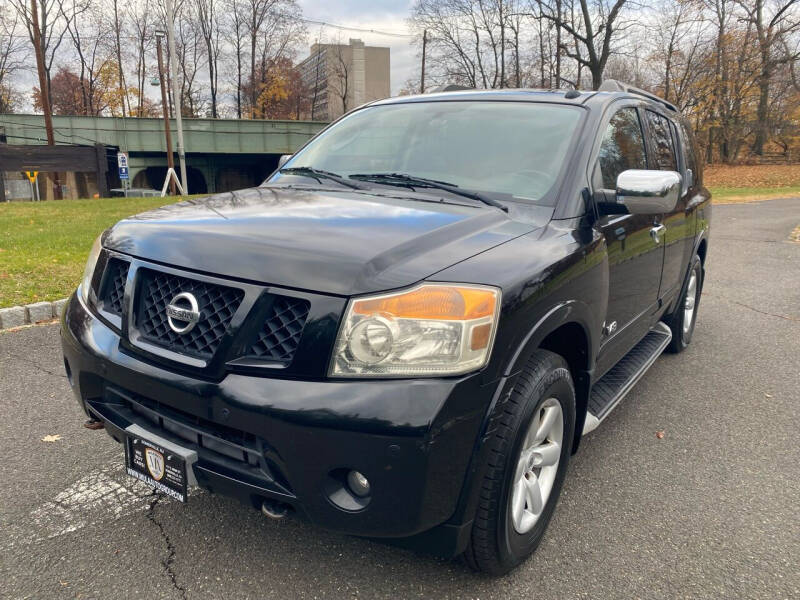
[(622, 147), (688, 148), (662, 142)]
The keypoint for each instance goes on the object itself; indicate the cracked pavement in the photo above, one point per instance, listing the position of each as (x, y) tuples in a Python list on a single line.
[(708, 511)]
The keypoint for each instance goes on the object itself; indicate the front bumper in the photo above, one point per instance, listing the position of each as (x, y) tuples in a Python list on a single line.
[(260, 438)]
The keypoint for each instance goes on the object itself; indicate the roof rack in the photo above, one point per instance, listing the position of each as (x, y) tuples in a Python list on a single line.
[(449, 87), (612, 85)]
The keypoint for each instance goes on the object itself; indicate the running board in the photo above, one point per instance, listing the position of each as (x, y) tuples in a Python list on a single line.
[(614, 385)]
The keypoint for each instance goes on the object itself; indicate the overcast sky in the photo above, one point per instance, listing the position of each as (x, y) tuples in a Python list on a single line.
[(382, 15)]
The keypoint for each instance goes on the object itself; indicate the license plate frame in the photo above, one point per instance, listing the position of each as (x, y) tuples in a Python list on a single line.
[(146, 459)]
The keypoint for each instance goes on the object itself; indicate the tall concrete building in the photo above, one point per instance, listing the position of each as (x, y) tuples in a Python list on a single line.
[(340, 77)]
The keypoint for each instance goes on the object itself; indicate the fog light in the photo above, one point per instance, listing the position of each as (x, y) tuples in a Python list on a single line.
[(358, 484)]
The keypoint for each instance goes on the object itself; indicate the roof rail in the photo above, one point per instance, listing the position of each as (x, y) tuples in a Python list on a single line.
[(449, 87), (612, 85)]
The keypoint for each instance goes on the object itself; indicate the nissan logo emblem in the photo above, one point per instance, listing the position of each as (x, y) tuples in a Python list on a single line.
[(182, 318)]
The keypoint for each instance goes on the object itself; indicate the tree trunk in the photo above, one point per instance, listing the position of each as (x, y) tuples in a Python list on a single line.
[(597, 76), (118, 52), (762, 113)]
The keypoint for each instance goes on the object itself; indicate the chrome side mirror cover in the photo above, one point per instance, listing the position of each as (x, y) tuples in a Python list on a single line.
[(644, 191), (283, 160)]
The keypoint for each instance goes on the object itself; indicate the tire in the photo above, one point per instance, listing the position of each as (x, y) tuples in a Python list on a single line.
[(682, 320), (499, 543)]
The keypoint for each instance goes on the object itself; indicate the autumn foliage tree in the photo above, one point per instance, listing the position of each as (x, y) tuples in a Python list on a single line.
[(278, 90)]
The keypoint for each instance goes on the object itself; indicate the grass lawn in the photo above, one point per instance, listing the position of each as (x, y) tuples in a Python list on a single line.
[(43, 245)]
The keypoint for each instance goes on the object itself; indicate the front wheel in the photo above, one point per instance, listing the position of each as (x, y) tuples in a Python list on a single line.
[(529, 451), (682, 321)]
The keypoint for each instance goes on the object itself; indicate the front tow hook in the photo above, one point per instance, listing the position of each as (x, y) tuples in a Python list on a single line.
[(94, 424)]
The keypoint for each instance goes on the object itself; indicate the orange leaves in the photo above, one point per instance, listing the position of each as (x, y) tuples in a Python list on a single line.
[(752, 175)]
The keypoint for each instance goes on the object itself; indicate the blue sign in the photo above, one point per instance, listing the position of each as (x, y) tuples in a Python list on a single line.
[(123, 172)]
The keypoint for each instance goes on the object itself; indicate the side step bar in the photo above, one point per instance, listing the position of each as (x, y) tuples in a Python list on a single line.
[(614, 385)]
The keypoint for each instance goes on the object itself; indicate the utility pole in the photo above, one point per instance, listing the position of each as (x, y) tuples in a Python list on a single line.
[(44, 91), (175, 95), (165, 106), (424, 48)]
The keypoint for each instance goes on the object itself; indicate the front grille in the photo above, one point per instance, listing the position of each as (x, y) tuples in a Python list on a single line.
[(280, 334), (112, 288), (217, 305)]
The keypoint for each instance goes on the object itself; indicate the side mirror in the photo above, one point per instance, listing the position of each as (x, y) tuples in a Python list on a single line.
[(648, 192), (283, 160)]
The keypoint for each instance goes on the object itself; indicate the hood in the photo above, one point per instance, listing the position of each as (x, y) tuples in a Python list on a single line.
[(329, 241)]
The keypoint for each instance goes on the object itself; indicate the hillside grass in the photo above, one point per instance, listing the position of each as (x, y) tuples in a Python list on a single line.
[(43, 245)]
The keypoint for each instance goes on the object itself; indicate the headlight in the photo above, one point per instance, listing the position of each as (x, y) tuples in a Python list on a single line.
[(434, 329), (88, 272)]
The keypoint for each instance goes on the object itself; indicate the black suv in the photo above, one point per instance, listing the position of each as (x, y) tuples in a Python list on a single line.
[(405, 331)]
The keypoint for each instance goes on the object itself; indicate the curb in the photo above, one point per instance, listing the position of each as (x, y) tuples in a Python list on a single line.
[(30, 314)]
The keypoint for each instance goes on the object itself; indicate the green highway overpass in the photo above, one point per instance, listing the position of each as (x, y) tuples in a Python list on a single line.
[(221, 154)]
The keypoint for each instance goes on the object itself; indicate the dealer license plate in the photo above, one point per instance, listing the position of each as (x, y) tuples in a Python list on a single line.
[(156, 466)]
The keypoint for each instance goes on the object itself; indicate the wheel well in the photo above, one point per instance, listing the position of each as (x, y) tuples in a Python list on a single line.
[(571, 343), (701, 251)]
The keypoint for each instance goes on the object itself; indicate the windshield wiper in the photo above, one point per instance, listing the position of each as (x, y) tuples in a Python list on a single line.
[(406, 180), (319, 175)]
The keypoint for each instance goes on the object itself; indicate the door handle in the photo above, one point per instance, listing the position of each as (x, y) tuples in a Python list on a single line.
[(657, 231)]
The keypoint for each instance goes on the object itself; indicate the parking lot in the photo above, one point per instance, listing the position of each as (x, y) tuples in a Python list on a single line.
[(708, 510)]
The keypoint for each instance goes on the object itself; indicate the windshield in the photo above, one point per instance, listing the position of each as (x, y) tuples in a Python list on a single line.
[(504, 149)]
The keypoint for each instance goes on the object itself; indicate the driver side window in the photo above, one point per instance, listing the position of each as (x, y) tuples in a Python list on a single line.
[(622, 147)]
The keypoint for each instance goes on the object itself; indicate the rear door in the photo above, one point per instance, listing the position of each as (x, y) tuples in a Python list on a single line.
[(664, 143), (634, 257)]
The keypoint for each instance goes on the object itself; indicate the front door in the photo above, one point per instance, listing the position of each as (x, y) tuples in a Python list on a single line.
[(635, 257)]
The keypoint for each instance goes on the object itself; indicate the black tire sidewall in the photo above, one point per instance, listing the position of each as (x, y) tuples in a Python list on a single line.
[(515, 547)]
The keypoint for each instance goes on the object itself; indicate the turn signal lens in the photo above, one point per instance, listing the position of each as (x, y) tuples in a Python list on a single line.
[(433, 302), (434, 329)]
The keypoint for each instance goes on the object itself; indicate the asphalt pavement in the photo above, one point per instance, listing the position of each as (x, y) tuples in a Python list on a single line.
[(709, 510)]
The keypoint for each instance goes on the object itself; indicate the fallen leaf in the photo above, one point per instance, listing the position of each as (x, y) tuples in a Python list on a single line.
[(51, 438), (660, 435), (768, 395)]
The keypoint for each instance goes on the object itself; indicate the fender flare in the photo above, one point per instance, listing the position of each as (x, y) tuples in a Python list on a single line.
[(570, 311)]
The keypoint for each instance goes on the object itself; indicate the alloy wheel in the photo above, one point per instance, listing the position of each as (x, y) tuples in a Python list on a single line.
[(689, 303), (537, 465)]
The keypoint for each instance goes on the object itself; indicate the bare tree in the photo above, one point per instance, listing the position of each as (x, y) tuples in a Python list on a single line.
[(90, 47), (116, 24), (773, 21), (600, 25), (189, 48), (51, 30), (208, 22), (677, 38), (467, 39), (12, 58), (142, 20), (339, 73), (233, 33)]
